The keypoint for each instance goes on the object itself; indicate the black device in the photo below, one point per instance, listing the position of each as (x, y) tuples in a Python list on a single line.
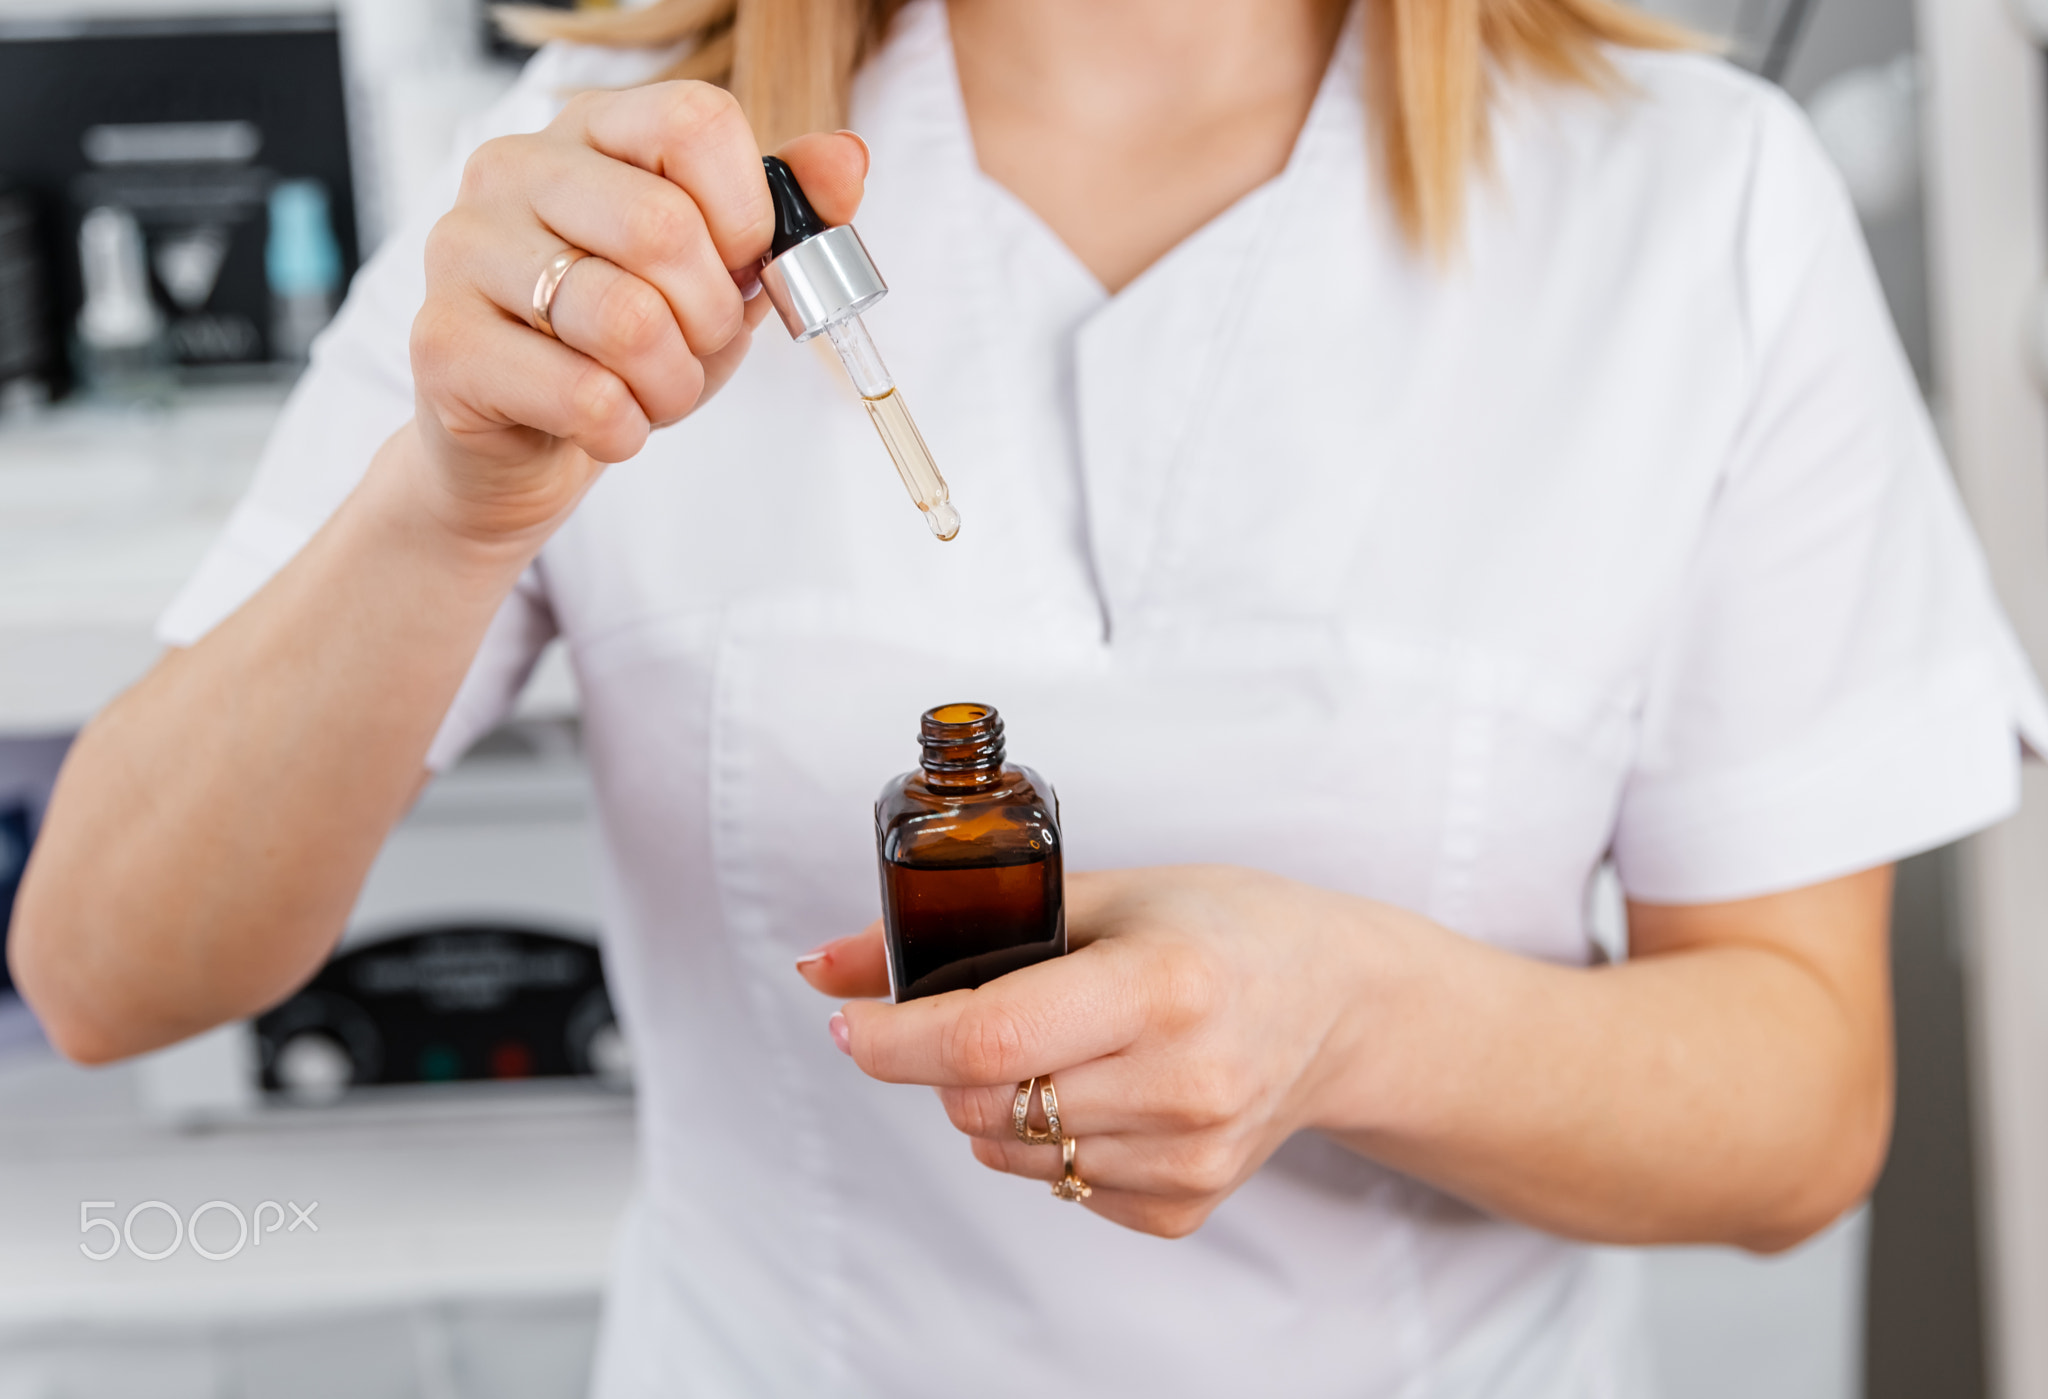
[(188, 125), (16, 835), (451, 1003)]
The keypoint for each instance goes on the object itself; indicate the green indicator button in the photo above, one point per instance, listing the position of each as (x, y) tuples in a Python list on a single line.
[(440, 1064)]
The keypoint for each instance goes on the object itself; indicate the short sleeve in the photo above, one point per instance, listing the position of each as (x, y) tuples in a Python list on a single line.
[(357, 391), (1838, 687)]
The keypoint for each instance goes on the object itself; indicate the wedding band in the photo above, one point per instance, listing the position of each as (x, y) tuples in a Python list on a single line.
[(551, 282), (1020, 1112), (1070, 1186)]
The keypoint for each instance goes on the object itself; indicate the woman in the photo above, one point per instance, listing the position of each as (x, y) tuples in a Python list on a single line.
[(1408, 460)]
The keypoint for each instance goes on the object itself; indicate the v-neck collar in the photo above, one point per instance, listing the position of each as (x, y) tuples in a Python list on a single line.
[(1157, 357), (1144, 361), (1335, 88)]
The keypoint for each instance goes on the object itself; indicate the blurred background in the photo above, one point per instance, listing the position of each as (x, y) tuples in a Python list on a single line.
[(403, 1181)]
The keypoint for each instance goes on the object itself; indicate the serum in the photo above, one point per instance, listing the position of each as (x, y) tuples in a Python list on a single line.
[(970, 852)]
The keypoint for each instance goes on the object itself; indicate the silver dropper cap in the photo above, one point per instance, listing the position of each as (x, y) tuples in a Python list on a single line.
[(824, 279)]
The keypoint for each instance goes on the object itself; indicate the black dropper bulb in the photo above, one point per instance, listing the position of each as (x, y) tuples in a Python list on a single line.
[(795, 220)]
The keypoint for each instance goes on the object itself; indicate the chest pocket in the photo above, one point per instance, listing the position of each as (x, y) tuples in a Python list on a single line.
[(1355, 767)]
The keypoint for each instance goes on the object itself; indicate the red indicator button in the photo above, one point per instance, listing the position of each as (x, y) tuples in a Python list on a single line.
[(511, 1059)]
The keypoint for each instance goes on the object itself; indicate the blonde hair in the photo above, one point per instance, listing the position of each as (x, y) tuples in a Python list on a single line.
[(1433, 67)]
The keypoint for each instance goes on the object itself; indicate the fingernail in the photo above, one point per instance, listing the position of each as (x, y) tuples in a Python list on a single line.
[(816, 954), (841, 1036), (867, 157), (750, 288)]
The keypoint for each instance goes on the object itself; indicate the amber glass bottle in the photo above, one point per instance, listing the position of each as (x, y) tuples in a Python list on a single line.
[(970, 854)]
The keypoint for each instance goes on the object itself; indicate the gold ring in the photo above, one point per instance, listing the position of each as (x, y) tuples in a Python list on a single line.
[(1070, 1186), (551, 282), (1020, 1112)]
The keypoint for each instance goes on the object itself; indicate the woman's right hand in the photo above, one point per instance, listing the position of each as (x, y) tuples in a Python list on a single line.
[(663, 186), (201, 855)]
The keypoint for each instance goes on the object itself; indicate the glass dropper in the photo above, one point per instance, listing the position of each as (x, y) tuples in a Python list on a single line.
[(893, 421), (820, 280)]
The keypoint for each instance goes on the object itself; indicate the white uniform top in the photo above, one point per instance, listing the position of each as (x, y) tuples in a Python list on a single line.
[(1628, 539)]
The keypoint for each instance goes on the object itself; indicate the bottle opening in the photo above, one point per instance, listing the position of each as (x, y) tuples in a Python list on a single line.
[(963, 744)]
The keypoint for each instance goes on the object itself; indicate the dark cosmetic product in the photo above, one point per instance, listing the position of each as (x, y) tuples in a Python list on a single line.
[(970, 854), (25, 340)]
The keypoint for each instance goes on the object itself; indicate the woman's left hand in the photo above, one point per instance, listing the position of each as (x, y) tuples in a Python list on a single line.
[(1191, 1029)]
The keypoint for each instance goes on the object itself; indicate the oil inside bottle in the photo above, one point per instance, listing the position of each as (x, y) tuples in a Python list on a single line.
[(971, 860), (960, 926)]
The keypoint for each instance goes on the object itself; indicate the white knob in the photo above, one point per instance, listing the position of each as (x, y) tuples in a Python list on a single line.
[(611, 1057), (313, 1068), (2037, 338)]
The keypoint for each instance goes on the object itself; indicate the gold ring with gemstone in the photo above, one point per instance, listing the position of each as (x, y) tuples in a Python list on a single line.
[(1070, 1186), (1020, 1112), (551, 282)]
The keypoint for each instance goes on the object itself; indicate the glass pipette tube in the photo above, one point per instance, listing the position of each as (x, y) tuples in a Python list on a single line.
[(892, 420)]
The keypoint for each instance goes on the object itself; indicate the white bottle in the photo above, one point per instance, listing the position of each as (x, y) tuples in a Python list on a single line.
[(120, 343)]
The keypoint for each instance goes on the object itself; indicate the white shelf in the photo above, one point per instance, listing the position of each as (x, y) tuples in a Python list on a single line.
[(492, 1192), (103, 515)]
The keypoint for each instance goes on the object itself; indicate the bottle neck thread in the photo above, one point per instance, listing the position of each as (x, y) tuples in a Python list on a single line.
[(963, 745)]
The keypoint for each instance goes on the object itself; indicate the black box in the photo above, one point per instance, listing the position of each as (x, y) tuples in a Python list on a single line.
[(188, 124)]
